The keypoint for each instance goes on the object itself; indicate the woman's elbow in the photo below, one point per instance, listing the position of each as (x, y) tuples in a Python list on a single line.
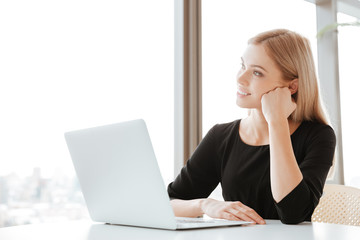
[(296, 219), (293, 221)]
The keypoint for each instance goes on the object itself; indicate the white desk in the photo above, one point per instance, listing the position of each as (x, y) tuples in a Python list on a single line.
[(86, 230)]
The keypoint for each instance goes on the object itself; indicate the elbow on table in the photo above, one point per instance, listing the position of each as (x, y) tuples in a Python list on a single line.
[(296, 216), (292, 221)]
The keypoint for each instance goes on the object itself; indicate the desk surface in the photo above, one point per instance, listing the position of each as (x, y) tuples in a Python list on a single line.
[(87, 230)]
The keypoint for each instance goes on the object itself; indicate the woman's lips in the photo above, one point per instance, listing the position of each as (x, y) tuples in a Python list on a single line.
[(242, 92)]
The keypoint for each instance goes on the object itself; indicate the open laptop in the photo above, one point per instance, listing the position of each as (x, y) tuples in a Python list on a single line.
[(121, 181)]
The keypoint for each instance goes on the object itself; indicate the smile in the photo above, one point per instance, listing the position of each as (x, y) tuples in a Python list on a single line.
[(243, 93)]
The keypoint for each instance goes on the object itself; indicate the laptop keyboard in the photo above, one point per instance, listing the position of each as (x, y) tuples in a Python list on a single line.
[(195, 220)]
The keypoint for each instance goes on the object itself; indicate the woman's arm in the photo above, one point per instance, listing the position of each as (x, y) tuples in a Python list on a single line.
[(285, 173), (296, 188), (196, 181), (187, 208), (234, 211)]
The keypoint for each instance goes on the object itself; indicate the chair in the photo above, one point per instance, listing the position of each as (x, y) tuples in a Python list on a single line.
[(339, 204)]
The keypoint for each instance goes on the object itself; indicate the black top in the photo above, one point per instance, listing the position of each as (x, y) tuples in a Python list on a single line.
[(244, 171)]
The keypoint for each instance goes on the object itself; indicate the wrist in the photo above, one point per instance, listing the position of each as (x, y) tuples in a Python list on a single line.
[(202, 205), (278, 122)]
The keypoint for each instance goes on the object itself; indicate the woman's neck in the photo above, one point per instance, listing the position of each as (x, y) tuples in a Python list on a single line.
[(254, 128), (257, 118)]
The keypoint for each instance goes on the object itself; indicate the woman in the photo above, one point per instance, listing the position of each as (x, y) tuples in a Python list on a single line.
[(272, 164)]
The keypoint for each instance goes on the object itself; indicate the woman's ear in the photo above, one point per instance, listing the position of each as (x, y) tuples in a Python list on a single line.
[(293, 86)]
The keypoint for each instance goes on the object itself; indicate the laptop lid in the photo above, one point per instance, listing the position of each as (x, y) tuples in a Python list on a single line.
[(119, 175)]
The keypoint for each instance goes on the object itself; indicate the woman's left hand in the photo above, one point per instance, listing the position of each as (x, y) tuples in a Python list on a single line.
[(277, 104)]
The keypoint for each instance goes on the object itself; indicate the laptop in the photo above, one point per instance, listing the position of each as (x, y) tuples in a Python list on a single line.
[(121, 181)]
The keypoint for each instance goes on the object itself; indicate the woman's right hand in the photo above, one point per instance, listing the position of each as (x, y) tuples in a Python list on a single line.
[(233, 211)]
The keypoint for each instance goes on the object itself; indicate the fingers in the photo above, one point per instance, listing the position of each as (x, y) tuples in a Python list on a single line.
[(241, 215), (231, 217), (279, 88), (250, 213), (233, 211), (277, 104), (239, 211)]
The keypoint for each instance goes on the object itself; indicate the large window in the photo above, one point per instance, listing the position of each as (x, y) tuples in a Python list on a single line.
[(349, 52), (73, 64)]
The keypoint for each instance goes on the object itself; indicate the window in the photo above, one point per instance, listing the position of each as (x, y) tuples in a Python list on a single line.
[(349, 50), (66, 65)]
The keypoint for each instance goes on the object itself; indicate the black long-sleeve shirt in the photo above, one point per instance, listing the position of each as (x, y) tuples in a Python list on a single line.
[(244, 171)]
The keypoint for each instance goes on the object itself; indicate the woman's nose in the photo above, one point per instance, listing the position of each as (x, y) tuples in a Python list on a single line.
[(242, 78)]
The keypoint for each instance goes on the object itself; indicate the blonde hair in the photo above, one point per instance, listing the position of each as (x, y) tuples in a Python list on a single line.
[(292, 54)]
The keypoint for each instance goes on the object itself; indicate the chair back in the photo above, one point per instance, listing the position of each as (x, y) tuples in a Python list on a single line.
[(339, 204)]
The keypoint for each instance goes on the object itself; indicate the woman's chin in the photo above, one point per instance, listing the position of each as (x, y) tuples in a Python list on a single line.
[(248, 105)]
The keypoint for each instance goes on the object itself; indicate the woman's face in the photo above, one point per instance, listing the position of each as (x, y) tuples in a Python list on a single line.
[(258, 75)]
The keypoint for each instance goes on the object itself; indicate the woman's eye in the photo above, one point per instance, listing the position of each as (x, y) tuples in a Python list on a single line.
[(258, 74), (242, 66)]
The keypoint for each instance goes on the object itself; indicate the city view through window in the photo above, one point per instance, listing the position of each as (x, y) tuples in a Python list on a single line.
[(35, 198)]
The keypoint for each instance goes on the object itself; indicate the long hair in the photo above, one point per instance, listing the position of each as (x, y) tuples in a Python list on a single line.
[(292, 54)]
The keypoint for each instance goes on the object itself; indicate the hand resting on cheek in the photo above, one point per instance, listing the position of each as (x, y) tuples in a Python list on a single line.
[(277, 104)]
